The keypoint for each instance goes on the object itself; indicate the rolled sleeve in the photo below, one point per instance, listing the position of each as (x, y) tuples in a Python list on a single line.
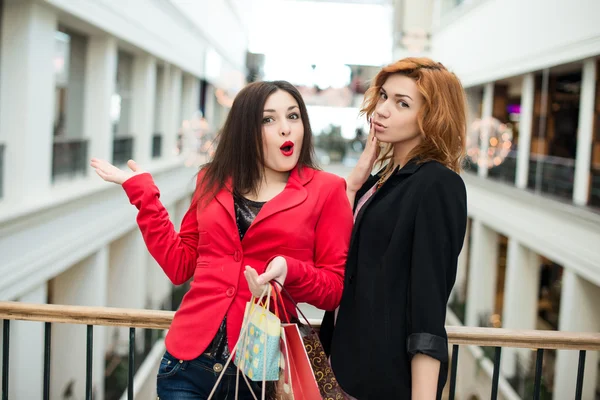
[(439, 233)]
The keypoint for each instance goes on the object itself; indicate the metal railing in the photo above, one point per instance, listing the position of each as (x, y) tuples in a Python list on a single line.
[(507, 171), (552, 175), (156, 145), (69, 157), (122, 149), (150, 319), (1, 170)]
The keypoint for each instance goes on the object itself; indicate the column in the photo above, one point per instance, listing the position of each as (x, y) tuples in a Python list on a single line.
[(525, 127), (27, 352), (482, 273), (171, 121), (520, 299), (27, 98), (127, 277), (585, 133), (144, 93), (486, 116), (579, 301), (101, 72), (85, 283)]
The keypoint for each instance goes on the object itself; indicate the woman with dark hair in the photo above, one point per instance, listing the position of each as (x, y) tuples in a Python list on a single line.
[(389, 340), (262, 211)]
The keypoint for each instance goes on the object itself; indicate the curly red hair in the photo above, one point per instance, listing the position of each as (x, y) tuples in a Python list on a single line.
[(442, 119)]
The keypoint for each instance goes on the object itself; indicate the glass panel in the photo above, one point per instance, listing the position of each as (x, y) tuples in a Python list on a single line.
[(504, 136), (554, 136)]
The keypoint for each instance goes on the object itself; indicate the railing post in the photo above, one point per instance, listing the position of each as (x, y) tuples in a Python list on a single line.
[(88, 367), (47, 348), (496, 376), (5, 347), (131, 363), (453, 372), (580, 370), (538, 374)]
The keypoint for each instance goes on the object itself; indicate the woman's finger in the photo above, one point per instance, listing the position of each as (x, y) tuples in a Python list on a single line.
[(101, 174), (252, 277)]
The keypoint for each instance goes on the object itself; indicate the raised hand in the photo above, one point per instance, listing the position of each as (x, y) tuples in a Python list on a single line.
[(276, 270), (110, 173), (364, 166)]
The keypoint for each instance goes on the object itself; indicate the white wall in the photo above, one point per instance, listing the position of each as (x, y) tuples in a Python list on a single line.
[(564, 233), (178, 31), (491, 39), (38, 246)]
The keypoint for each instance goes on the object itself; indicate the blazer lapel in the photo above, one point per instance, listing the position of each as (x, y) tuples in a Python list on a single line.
[(225, 198)]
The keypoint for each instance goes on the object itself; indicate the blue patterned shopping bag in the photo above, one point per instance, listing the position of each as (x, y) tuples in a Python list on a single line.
[(258, 352)]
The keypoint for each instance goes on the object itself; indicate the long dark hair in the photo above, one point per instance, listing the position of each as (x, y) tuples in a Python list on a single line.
[(239, 153)]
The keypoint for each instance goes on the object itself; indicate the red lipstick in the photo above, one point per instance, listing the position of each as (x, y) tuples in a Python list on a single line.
[(287, 149)]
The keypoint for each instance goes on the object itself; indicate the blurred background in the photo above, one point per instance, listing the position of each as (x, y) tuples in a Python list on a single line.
[(153, 80)]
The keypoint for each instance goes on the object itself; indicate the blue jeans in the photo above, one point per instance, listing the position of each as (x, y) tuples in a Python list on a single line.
[(195, 379)]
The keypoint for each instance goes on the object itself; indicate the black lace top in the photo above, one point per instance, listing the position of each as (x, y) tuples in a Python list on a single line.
[(245, 212)]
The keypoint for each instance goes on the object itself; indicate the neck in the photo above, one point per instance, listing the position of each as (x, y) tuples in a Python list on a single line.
[(402, 150), (271, 177)]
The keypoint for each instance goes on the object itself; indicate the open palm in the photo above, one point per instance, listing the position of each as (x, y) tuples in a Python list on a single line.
[(110, 173)]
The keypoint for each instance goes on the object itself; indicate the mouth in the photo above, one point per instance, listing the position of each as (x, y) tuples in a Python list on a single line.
[(287, 149), (379, 127)]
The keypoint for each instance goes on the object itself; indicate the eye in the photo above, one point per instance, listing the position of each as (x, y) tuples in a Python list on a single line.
[(293, 116), (403, 104), (382, 95), (267, 120)]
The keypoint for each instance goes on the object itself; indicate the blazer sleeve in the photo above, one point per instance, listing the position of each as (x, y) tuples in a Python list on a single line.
[(320, 281), (439, 232), (175, 252)]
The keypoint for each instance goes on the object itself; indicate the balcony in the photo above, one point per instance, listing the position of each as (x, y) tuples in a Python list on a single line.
[(102, 316), (1, 170), (552, 175), (122, 149), (69, 157)]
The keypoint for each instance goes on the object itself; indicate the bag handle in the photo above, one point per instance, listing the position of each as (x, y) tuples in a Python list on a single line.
[(243, 336), (279, 303), (284, 290)]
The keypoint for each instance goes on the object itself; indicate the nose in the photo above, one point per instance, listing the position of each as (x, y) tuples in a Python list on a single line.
[(381, 110), (285, 128)]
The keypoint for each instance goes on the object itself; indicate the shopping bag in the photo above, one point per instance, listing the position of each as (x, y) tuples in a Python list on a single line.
[(284, 388), (303, 383), (254, 309), (320, 368), (259, 351)]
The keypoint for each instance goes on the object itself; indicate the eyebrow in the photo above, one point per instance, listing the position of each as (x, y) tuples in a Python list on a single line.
[(398, 95), (289, 108)]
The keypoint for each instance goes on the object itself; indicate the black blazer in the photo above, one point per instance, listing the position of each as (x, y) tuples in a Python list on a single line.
[(400, 270)]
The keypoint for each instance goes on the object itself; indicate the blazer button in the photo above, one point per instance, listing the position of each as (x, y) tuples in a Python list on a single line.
[(230, 292), (237, 256)]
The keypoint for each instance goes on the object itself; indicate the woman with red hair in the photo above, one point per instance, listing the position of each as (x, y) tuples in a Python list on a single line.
[(389, 340)]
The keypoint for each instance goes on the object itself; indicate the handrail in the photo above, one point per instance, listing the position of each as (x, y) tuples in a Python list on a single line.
[(155, 319)]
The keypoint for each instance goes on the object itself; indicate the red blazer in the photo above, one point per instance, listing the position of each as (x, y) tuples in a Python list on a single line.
[(309, 224)]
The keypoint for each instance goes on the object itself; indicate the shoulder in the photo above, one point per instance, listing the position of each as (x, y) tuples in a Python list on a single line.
[(433, 176), (323, 178)]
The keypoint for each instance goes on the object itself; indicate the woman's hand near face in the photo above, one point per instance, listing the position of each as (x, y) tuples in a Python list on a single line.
[(110, 173), (364, 166)]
